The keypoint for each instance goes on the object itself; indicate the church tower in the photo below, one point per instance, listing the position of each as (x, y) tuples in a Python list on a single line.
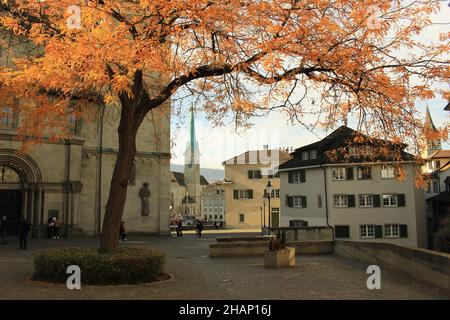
[(192, 170), (432, 145)]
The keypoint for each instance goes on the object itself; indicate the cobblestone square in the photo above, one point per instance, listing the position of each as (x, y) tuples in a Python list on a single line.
[(197, 276)]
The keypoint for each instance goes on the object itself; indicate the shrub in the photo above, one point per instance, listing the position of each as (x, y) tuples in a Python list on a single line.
[(442, 239), (124, 266)]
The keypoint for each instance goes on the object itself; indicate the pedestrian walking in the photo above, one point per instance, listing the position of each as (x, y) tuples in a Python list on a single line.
[(4, 229), (50, 227), (122, 232), (24, 227), (179, 229), (199, 228), (55, 228)]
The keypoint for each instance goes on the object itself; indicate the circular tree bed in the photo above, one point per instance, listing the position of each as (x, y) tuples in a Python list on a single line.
[(124, 266)]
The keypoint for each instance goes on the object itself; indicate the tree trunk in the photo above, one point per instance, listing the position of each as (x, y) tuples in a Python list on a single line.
[(119, 183)]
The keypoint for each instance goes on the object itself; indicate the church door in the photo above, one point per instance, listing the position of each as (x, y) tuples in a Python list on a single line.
[(11, 206)]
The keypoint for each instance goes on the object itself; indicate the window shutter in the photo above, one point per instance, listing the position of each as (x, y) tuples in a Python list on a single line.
[(349, 173), (403, 231), (351, 200), (401, 200), (250, 174), (378, 231), (302, 176), (368, 173), (290, 173), (236, 194), (250, 194), (304, 202), (289, 201), (376, 200)]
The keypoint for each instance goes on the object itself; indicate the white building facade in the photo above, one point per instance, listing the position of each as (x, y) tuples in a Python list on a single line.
[(362, 199)]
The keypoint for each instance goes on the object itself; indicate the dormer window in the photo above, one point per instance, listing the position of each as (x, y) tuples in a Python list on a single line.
[(360, 150), (309, 154), (305, 155)]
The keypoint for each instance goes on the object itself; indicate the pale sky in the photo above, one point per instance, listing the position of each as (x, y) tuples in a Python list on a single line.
[(221, 143)]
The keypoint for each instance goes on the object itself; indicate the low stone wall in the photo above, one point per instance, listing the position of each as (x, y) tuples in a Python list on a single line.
[(255, 248), (245, 239), (305, 233), (425, 265)]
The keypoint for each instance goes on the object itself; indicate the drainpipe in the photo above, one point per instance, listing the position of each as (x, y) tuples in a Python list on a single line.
[(67, 189), (326, 198), (99, 192)]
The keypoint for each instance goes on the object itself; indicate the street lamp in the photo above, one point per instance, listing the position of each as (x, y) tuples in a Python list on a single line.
[(264, 210), (262, 230), (269, 189)]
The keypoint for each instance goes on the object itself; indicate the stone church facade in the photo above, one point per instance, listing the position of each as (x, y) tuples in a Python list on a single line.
[(70, 179)]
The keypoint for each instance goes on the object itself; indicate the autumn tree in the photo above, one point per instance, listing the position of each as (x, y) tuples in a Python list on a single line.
[(362, 60)]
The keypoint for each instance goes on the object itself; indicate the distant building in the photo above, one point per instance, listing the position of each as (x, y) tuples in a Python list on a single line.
[(342, 183), (213, 203), (433, 154), (436, 170), (186, 188), (438, 199), (246, 178)]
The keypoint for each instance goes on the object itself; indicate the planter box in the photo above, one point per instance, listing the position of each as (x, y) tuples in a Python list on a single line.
[(279, 258)]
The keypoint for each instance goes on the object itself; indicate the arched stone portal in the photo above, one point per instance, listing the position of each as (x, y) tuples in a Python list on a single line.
[(21, 193)]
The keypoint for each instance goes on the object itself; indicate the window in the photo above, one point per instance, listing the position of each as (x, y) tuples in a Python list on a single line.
[(339, 174), (360, 151), (241, 217), (392, 230), (305, 155), (7, 118), (298, 176), (367, 231), (364, 173), (340, 201), (242, 194), (313, 154), (389, 200), (297, 202), (254, 174), (387, 172), (353, 150), (298, 223), (275, 193), (366, 201), (342, 232)]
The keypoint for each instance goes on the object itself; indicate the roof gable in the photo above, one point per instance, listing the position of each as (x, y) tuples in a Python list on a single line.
[(334, 149)]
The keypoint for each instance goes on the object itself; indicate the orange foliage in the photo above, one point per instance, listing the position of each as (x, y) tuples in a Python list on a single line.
[(240, 55)]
